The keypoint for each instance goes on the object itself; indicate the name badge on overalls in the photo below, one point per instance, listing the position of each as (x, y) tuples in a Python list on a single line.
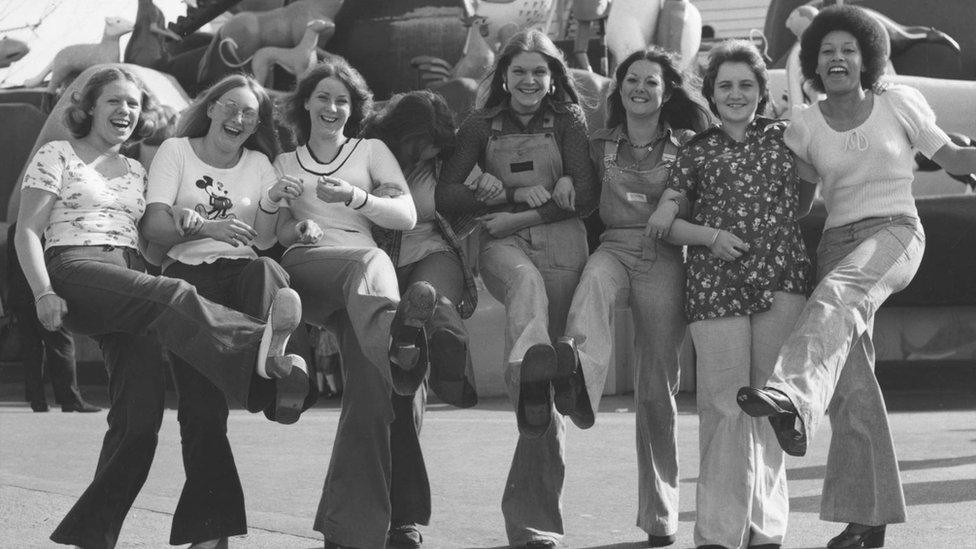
[(637, 197), (518, 167)]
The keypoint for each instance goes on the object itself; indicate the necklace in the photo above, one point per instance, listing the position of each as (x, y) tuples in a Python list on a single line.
[(647, 145)]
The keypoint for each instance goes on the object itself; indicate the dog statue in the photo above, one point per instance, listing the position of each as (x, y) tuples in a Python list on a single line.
[(75, 58), (247, 32), (297, 60)]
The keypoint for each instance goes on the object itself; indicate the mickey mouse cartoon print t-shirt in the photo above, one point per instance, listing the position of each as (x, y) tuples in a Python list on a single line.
[(178, 177)]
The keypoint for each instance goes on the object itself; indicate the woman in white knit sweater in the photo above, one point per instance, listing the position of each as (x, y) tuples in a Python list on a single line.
[(861, 140), (347, 185)]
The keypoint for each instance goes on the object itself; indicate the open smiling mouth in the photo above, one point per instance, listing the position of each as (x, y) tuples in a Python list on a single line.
[(120, 124), (235, 132)]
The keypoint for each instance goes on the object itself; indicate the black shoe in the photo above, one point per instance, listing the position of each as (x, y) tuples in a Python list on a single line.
[(290, 374), (782, 416), (569, 387), (415, 309), (540, 544), (404, 536), (333, 545), (39, 405), (534, 410), (659, 541), (449, 363), (766, 546), (80, 406), (855, 536)]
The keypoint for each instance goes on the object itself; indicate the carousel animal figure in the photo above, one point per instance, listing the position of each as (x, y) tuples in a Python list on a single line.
[(11, 51), (589, 15), (297, 60), (73, 59), (245, 33)]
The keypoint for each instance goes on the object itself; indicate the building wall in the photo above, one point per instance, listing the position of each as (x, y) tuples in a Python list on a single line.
[(733, 18)]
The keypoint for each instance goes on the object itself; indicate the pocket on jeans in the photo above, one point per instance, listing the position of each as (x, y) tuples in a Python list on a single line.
[(564, 243)]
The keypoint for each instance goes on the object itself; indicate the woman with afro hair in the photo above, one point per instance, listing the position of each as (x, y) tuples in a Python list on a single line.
[(861, 139)]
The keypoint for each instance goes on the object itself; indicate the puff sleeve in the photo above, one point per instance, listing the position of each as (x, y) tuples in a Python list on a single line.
[(917, 118), (798, 135)]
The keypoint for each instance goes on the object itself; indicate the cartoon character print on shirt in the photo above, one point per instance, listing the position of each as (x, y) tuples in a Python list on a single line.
[(219, 203)]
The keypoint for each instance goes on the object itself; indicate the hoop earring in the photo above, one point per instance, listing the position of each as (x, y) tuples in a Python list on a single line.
[(504, 87), (552, 90)]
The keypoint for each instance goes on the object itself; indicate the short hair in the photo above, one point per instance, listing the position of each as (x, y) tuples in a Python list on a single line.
[(360, 95), (683, 109), (872, 39), (409, 117), (736, 51), (194, 121), (531, 41), (77, 117)]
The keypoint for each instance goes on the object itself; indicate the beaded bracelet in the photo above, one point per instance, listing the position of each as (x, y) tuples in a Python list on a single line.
[(44, 294), (714, 238)]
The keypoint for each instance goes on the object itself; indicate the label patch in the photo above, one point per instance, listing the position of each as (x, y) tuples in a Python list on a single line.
[(637, 197), (518, 167)]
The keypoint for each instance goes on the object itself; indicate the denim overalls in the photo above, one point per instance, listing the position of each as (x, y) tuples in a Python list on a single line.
[(534, 273)]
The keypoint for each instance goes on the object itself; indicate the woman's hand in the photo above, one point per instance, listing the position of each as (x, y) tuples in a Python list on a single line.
[(308, 231), (534, 196), (334, 190), (51, 310), (188, 221), (564, 194), (727, 247), (232, 231), (487, 187), (286, 188), (500, 224), (659, 224)]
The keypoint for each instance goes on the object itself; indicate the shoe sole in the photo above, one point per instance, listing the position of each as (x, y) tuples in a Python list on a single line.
[(291, 384), (757, 405), (537, 370), (283, 318), (415, 309)]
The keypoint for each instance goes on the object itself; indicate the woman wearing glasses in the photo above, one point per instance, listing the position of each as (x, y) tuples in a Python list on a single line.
[(207, 202)]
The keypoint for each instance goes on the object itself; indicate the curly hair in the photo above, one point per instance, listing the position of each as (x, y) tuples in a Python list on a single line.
[(361, 97), (682, 109), (531, 41), (409, 118), (77, 117), (195, 121), (872, 39), (735, 51)]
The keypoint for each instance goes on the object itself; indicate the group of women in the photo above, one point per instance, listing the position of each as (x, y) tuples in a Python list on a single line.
[(369, 207)]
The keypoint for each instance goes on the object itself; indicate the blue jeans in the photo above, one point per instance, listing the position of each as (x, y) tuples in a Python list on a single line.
[(534, 274), (131, 314), (653, 275), (827, 364)]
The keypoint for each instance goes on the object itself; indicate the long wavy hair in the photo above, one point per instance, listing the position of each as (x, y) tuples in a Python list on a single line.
[(194, 121), (410, 120), (78, 120), (682, 110), (531, 41), (361, 97)]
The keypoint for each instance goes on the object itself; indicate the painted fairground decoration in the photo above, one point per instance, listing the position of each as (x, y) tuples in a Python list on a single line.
[(182, 46)]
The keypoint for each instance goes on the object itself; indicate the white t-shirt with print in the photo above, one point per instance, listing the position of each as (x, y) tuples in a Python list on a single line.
[(179, 178), (90, 209)]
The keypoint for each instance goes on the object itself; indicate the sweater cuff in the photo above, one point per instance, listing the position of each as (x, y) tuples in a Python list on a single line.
[(930, 140), (359, 198), (551, 212)]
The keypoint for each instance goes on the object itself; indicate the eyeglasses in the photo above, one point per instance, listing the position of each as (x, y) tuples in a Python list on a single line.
[(231, 109)]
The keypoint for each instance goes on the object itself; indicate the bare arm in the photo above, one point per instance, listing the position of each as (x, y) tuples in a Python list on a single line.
[(32, 219), (955, 159), (721, 243)]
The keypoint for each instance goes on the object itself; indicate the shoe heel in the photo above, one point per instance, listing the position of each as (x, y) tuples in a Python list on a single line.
[(874, 540), (291, 375)]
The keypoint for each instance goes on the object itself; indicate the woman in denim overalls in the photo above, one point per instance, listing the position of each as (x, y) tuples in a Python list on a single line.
[(530, 134), (650, 116), (861, 139)]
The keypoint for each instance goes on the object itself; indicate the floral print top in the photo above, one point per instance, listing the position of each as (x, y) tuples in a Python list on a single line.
[(90, 209), (750, 189)]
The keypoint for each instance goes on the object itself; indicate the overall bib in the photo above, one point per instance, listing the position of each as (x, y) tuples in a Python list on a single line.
[(652, 274), (534, 273)]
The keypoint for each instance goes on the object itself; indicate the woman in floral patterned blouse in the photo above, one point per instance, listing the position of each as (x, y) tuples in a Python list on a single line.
[(748, 273)]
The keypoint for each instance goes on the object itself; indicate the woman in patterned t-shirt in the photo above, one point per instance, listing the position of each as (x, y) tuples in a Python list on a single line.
[(748, 274), (87, 200)]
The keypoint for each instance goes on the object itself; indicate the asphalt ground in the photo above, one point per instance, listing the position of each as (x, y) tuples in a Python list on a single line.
[(47, 459)]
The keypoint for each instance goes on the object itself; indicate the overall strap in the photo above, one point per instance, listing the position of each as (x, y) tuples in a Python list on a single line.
[(609, 152), (670, 152)]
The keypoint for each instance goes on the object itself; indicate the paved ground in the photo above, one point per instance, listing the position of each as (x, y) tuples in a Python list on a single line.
[(47, 459)]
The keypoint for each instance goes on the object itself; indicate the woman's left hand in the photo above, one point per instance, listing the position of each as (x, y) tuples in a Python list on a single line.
[(188, 221), (333, 189), (564, 194), (500, 224), (286, 188)]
